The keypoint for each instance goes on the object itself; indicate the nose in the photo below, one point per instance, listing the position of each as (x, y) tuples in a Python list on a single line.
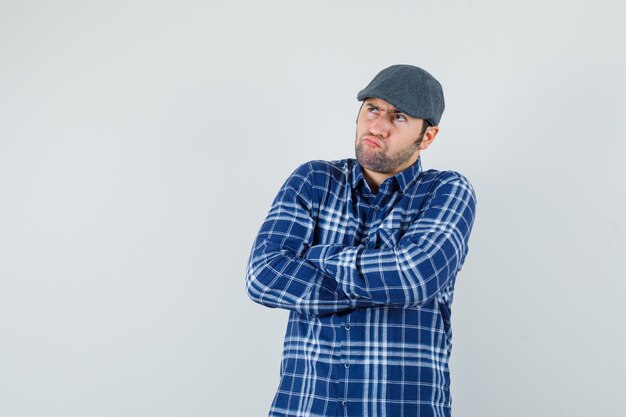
[(379, 127)]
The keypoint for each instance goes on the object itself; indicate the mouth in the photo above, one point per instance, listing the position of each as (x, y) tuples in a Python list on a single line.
[(371, 141)]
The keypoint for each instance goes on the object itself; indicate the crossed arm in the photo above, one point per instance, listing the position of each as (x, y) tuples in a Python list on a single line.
[(286, 271)]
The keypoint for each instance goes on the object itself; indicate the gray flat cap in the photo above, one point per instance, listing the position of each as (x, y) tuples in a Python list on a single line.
[(410, 89)]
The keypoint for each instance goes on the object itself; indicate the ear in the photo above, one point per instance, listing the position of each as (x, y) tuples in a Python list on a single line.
[(429, 137)]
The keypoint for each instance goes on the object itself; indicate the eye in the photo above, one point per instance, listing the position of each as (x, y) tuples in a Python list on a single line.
[(371, 112), (399, 117)]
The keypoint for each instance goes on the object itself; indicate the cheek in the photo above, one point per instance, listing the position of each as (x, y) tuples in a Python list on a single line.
[(360, 128), (406, 142)]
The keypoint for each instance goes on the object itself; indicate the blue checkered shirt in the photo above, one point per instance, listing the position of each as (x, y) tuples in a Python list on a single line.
[(368, 280)]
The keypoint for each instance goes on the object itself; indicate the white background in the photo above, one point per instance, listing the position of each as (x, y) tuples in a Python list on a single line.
[(142, 142)]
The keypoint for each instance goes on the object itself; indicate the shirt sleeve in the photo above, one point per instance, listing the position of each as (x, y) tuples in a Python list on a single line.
[(425, 260), (277, 273)]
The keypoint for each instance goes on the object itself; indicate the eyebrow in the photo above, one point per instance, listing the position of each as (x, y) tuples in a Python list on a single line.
[(394, 111)]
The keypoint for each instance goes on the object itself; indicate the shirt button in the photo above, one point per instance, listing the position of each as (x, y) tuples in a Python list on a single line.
[(367, 239), (347, 327), (347, 365), (344, 403), (376, 207)]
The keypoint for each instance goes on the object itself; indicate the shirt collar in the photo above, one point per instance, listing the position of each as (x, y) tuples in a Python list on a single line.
[(403, 179), (408, 176)]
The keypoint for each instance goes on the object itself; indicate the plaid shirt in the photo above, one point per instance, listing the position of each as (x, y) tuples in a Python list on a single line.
[(368, 279)]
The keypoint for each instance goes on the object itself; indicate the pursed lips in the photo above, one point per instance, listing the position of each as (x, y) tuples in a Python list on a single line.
[(372, 141)]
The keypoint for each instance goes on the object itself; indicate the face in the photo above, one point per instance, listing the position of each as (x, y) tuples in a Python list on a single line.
[(386, 138)]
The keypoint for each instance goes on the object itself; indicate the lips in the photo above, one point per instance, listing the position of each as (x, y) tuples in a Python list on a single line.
[(372, 141)]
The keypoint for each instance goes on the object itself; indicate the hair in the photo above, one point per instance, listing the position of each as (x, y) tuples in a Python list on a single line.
[(425, 125)]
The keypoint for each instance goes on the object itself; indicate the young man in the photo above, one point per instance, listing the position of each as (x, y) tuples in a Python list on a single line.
[(364, 253)]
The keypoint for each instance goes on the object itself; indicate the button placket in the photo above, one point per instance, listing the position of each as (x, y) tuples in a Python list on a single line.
[(346, 363)]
